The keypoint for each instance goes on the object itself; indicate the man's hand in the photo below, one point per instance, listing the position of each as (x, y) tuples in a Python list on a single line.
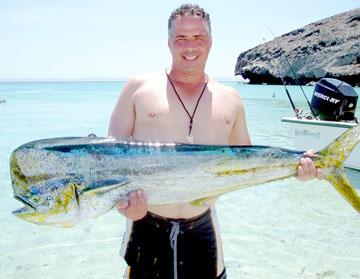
[(135, 208), (307, 169)]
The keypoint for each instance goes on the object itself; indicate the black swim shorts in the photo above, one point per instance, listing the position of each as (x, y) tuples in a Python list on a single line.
[(157, 247)]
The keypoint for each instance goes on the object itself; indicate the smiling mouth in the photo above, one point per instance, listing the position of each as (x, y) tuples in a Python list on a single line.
[(190, 58)]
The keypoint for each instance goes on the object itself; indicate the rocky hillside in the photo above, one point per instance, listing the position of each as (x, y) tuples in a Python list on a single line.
[(326, 48)]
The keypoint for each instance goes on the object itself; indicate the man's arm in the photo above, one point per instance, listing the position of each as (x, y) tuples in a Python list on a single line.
[(122, 123), (239, 134), (123, 117)]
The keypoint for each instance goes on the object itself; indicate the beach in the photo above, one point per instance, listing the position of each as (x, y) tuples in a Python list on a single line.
[(286, 229)]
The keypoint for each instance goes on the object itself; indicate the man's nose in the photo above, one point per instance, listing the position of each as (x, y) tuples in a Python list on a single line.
[(189, 43)]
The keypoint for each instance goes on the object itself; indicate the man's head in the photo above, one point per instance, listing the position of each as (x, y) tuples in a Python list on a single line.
[(189, 10), (189, 39)]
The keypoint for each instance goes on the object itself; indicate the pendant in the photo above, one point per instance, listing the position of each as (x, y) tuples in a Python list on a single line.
[(190, 138)]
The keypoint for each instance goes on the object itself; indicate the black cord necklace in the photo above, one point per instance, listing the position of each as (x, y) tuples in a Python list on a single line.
[(189, 137)]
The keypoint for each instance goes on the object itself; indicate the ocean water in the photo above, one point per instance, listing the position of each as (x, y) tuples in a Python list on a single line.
[(285, 229)]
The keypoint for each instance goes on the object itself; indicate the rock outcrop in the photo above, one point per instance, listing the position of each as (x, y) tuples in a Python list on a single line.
[(326, 48)]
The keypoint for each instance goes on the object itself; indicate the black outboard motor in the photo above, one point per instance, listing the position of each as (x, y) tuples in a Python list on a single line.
[(334, 100)]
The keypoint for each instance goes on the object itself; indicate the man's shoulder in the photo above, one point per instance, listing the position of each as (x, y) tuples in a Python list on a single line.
[(144, 84), (142, 81)]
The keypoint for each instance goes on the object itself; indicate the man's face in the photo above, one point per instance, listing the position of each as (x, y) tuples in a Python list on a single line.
[(189, 44)]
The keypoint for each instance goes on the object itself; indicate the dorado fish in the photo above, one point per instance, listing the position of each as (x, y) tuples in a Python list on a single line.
[(64, 181)]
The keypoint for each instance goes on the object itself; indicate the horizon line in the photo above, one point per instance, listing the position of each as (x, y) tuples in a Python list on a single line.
[(98, 79)]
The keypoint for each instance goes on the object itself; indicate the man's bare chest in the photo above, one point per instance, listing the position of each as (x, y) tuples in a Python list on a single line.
[(162, 115)]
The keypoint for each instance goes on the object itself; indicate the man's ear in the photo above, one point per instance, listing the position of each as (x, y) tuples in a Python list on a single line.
[(169, 44)]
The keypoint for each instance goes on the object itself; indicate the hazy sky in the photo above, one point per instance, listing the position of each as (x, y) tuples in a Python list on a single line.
[(115, 38)]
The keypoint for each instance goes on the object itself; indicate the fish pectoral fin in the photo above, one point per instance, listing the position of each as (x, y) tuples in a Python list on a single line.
[(202, 201), (102, 190), (108, 182)]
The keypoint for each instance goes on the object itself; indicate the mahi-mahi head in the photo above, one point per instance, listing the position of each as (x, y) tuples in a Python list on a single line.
[(64, 181)]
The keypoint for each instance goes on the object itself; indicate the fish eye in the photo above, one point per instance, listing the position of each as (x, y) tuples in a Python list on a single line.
[(32, 197)]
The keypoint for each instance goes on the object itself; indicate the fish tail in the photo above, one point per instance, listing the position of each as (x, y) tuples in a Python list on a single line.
[(331, 160)]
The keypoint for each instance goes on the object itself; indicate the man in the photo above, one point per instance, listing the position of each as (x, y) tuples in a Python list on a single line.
[(180, 104)]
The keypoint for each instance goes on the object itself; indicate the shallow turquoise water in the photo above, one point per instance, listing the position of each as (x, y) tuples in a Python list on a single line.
[(284, 229)]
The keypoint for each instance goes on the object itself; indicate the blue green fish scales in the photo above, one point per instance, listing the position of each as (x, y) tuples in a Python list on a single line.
[(64, 181)]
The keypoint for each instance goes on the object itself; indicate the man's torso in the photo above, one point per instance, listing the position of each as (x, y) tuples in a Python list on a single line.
[(160, 117)]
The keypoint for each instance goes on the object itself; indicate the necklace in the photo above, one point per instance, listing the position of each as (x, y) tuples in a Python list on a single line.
[(189, 137)]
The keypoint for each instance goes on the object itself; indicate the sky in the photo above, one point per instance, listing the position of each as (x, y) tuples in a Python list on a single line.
[(81, 39)]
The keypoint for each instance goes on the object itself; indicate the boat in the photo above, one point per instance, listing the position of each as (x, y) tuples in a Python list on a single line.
[(333, 108), (317, 134)]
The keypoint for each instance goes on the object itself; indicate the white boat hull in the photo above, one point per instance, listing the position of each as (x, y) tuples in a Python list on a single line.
[(317, 134)]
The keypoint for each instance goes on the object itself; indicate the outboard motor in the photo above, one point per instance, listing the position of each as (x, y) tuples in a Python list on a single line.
[(334, 99)]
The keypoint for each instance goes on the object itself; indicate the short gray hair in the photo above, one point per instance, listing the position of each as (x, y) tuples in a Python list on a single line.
[(190, 11)]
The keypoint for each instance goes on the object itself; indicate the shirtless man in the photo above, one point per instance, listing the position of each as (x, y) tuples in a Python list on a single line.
[(159, 107)]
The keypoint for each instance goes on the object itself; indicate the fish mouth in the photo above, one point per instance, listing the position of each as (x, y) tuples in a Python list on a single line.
[(30, 207)]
